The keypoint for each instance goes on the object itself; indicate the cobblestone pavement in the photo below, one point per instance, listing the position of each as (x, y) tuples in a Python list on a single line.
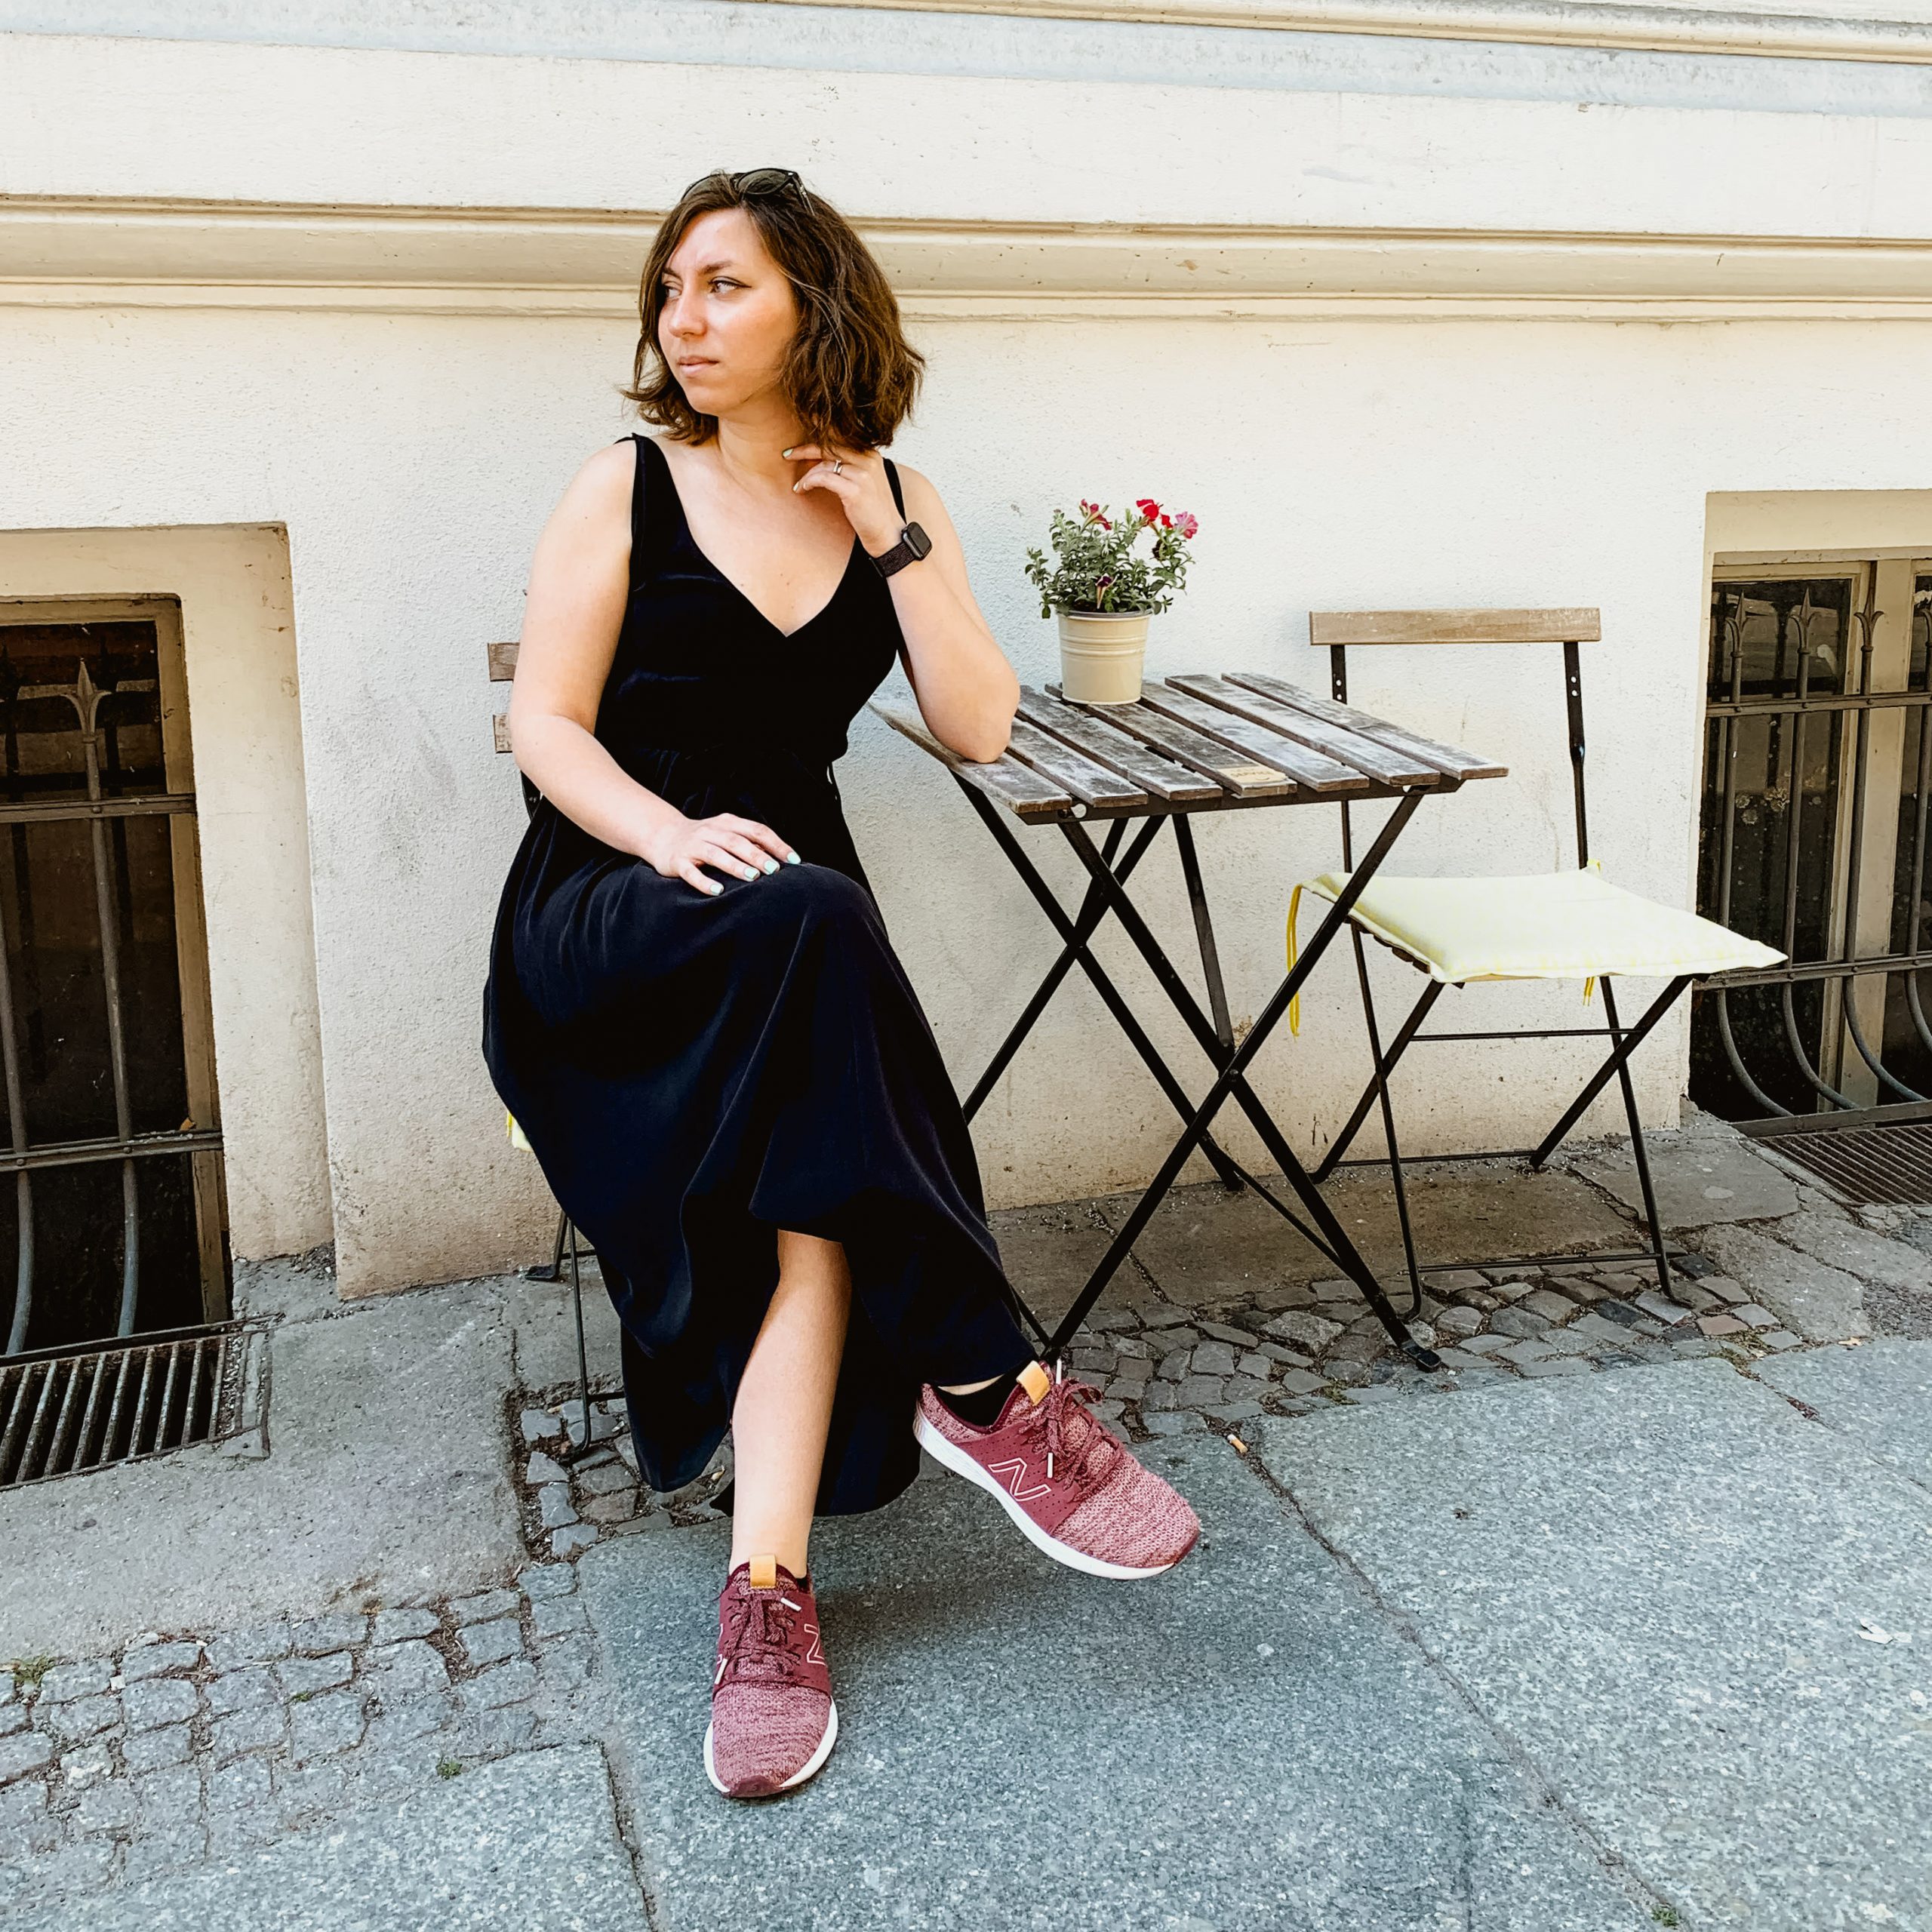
[(1167, 1367), (177, 1749)]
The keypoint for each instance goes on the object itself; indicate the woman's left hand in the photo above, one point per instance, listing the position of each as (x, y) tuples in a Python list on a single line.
[(860, 483)]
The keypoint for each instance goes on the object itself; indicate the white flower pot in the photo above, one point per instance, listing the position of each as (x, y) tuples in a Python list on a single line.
[(1101, 655)]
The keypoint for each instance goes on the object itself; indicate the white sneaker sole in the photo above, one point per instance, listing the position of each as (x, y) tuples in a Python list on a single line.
[(942, 1450), (804, 1771)]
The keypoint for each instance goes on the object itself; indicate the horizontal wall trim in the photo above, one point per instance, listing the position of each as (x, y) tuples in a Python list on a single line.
[(1535, 22), (84, 252)]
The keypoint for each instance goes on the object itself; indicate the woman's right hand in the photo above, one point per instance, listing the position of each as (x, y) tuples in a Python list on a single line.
[(740, 846)]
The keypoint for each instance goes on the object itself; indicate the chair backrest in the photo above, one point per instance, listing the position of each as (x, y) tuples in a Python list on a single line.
[(503, 669), (1336, 630)]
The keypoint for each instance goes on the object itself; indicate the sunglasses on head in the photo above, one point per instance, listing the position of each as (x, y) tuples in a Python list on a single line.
[(762, 181)]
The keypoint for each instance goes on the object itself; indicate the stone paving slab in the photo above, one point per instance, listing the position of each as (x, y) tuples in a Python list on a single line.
[(1699, 1180), (1879, 1394), (530, 1841), (386, 1474), (1204, 1245), (1242, 1743), (1669, 1587)]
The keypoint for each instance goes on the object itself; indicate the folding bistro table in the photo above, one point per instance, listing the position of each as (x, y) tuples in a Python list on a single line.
[(1193, 743)]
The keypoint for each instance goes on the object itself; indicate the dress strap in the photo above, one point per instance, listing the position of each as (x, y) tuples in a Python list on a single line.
[(898, 494), (640, 498)]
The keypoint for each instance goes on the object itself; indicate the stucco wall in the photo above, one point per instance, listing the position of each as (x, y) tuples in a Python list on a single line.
[(1334, 460)]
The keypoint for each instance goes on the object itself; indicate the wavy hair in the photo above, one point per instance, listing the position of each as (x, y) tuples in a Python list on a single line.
[(850, 372)]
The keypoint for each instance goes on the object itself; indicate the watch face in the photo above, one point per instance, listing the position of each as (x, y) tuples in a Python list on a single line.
[(916, 540)]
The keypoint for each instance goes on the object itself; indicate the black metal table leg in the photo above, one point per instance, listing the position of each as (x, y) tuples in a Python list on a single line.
[(1331, 1237), (1077, 946)]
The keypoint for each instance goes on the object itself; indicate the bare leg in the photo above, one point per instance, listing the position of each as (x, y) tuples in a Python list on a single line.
[(784, 1402)]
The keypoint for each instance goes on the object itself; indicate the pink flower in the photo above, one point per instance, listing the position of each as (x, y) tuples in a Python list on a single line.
[(1185, 522), (1092, 512)]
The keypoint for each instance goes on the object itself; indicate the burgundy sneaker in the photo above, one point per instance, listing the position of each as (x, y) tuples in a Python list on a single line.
[(773, 1720), (1070, 1482)]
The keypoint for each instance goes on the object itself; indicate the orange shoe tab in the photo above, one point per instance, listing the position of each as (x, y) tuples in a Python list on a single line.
[(764, 1572), (1035, 1381)]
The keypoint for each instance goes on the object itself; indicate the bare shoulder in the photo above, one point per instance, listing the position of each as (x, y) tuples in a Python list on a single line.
[(920, 494), (606, 473)]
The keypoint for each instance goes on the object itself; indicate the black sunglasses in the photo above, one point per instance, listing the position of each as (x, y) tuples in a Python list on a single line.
[(761, 181)]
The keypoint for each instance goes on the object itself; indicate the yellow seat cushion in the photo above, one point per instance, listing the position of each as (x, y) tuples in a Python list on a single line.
[(516, 1133), (1573, 925)]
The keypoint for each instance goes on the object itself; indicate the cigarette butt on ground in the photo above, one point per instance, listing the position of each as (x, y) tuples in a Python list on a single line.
[(1237, 1442)]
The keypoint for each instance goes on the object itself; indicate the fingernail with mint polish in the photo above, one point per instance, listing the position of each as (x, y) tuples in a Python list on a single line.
[(771, 865), (792, 859)]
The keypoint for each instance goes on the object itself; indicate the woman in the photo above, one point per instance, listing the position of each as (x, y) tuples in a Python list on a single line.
[(728, 1080)]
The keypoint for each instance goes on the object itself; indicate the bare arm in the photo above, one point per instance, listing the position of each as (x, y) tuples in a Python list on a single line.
[(967, 691), (579, 582)]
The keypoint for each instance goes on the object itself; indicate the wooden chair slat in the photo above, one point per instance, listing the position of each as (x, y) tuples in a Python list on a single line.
[(1309, 769), (1444, 757), (1244, 778), (1018, 787), (1136, 762), (1579, 624), (499, 727), (1383, 763), (503, 662), (1060, 763)]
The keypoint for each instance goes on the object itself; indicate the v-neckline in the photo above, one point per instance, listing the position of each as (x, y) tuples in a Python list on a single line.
[(677, 496)]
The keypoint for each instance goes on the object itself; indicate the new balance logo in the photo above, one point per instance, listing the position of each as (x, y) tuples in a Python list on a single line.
[(814, 1655), (1014, 1471)]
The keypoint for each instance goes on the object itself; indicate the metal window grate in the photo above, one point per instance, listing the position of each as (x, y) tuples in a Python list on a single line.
[(1870, 1166), (61, 1413)]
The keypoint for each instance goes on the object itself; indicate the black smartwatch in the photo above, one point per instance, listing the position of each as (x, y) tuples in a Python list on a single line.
[(913, 544)]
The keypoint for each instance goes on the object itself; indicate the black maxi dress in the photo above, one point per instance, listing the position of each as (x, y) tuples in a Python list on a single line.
[(695, 1070)]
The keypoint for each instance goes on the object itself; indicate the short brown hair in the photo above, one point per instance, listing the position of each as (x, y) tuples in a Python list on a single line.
[(851, 374)]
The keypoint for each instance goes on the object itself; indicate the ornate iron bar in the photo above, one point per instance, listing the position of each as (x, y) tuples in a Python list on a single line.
[(1848, 712), (97, 810)]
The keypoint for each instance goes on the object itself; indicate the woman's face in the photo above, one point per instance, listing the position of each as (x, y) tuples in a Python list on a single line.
[(729, 314)]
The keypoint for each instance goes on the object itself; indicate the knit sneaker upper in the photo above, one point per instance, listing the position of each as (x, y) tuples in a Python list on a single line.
[(771, 1691)]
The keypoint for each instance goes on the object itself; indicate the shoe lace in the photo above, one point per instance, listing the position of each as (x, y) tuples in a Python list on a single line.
[(1080, 1448), (760, 1638)]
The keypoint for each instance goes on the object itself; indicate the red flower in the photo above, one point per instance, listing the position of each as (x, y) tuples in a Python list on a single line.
[(1148, 508), (1092, 512)]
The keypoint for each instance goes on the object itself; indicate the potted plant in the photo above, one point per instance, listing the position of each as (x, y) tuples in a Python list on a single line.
[(1103, 592)]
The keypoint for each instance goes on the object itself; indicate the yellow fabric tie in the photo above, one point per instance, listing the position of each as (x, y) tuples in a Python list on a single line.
[(1294, 1004), (515, 1133)]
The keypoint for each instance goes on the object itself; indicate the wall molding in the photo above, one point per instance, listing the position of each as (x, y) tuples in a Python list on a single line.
[(1744, 30), (80, 252)]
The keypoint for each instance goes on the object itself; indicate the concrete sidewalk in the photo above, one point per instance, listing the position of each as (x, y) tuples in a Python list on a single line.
[(1618, 1623)]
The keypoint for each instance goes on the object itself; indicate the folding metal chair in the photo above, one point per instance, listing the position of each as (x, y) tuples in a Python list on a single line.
[(1555, 926)]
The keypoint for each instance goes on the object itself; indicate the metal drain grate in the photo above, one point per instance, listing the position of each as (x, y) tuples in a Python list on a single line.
[(62, 1412), (1871, 1166)]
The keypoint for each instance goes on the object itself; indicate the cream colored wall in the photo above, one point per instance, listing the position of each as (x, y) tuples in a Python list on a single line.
[(406, 387), (238, 627), (412, 461)]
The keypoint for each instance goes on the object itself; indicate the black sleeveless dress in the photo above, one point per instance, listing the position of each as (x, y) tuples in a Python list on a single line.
[(695, 1070)]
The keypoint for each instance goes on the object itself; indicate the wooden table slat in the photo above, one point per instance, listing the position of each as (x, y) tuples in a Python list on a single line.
[(1018, 787), (1179, 784), (500, 727), (1383, 763), (1444, 757), (503, 662), (1062, 764), (1244, 778), (1309, 769)]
